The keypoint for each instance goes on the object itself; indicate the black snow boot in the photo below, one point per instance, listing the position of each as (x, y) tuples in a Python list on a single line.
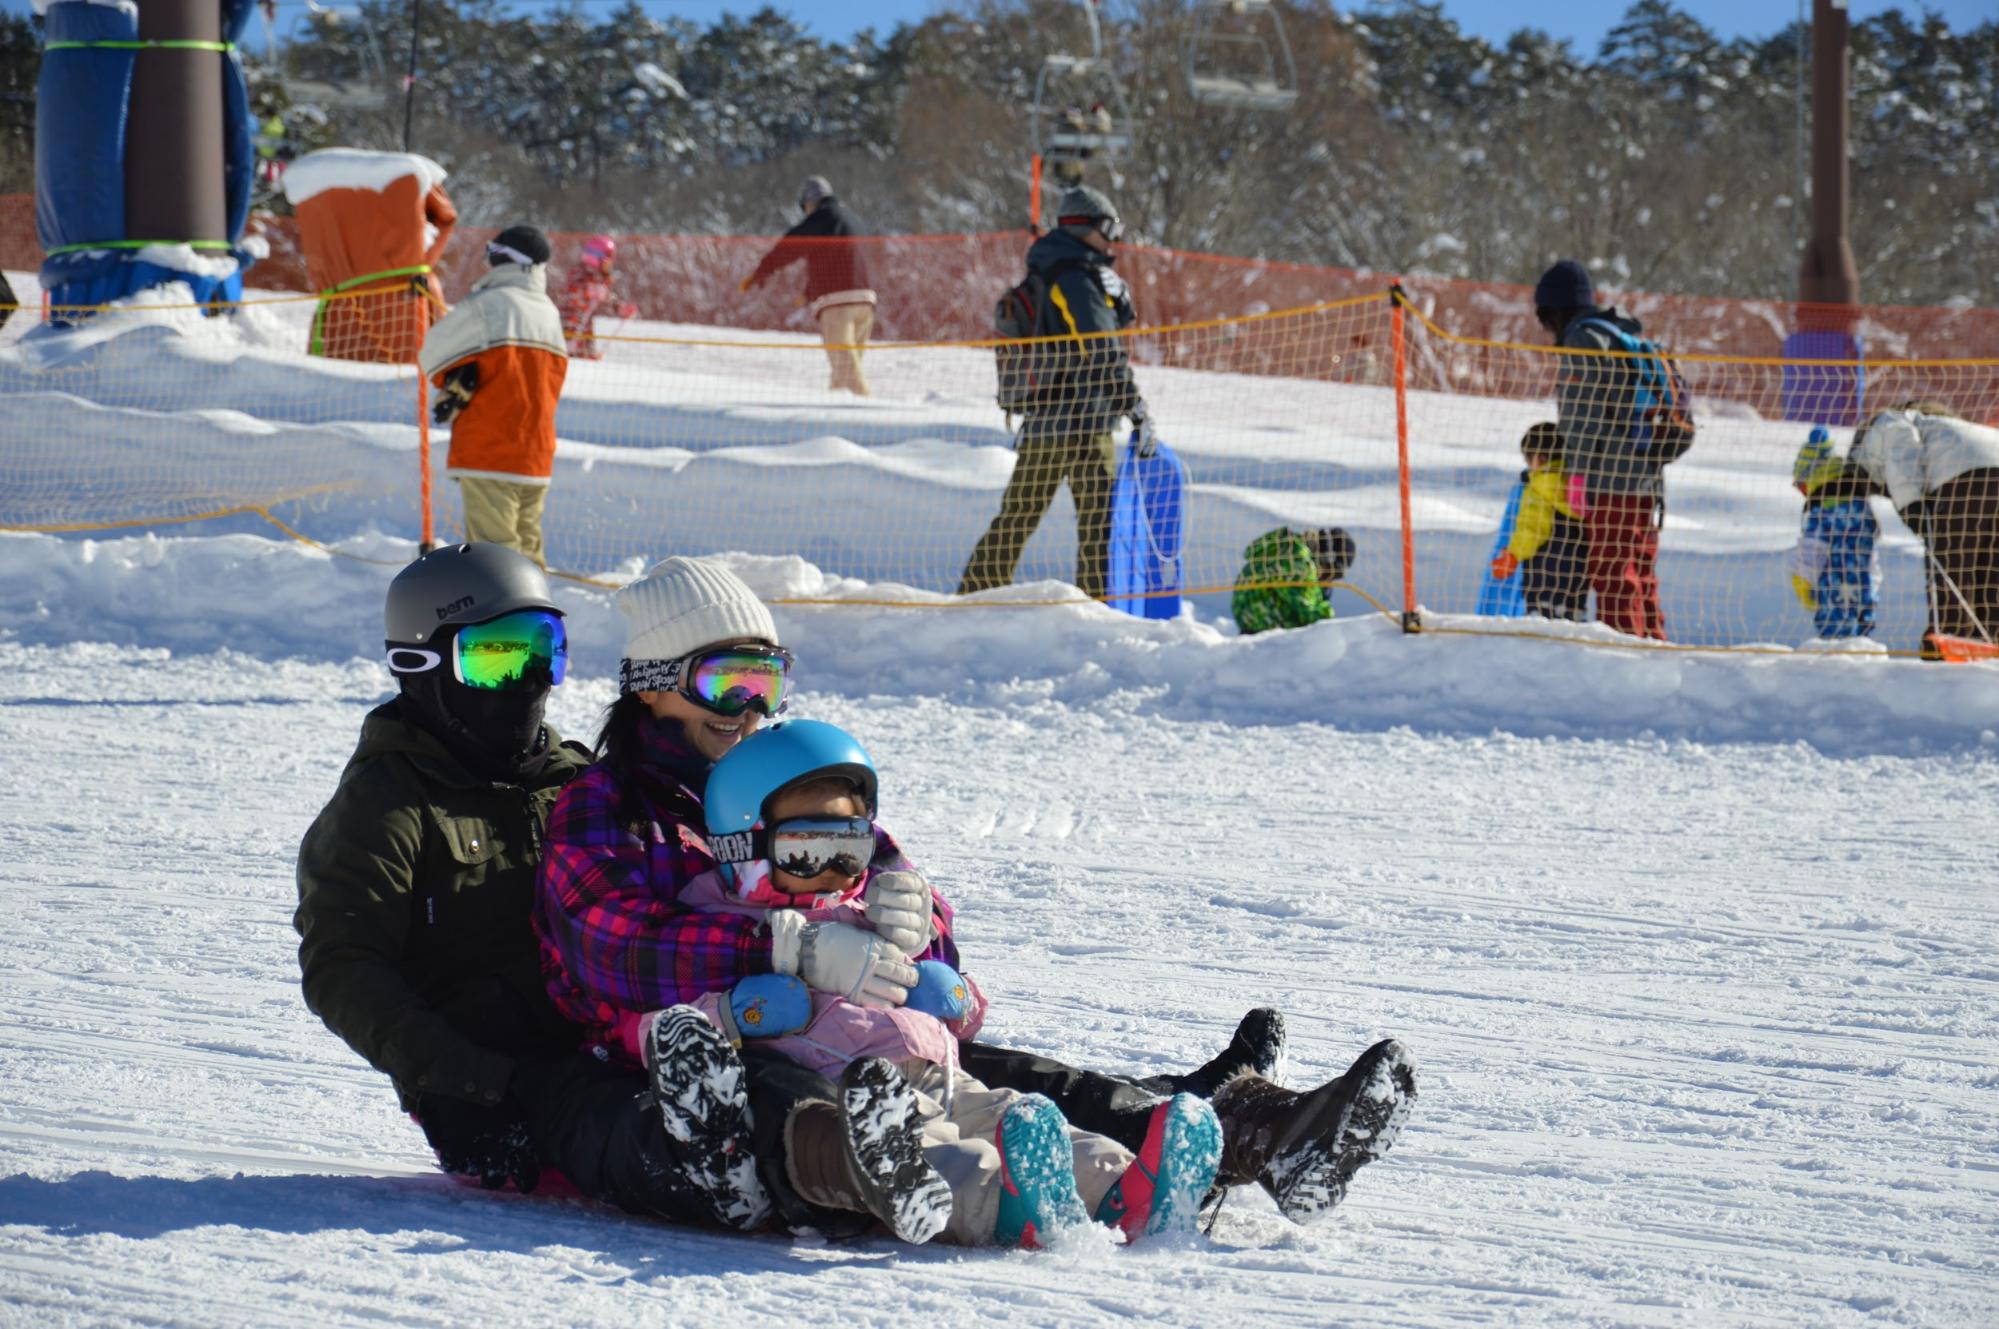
[(697, 1085), (865, 1155), (1258, 1046), (1304, 1148)]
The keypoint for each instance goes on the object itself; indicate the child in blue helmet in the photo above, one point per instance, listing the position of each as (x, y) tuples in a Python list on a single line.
[(1833, 569), (790, 812)]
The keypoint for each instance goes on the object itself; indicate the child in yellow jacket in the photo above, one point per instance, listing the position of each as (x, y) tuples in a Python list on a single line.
[(1548, 545)]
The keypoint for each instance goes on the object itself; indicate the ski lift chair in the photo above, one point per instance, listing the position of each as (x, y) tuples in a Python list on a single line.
[(1238, 56), (1080, 112)]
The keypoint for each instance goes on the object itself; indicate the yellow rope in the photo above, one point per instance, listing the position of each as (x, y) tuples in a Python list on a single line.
[(1150, 330), (1687, 357)]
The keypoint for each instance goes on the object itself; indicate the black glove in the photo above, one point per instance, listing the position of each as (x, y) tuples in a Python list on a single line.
[(490, 1143), (455, 392)]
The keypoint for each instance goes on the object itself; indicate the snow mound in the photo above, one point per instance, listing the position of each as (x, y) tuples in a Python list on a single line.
[(1012, 649)]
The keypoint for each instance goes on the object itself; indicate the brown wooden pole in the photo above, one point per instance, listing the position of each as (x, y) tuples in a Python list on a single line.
[(1828, 275), (175, 189)]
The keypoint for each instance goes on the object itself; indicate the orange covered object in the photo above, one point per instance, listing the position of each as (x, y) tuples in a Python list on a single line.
[(373, 226)]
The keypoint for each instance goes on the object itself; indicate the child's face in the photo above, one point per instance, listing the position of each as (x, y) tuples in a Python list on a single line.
[(793, 803)]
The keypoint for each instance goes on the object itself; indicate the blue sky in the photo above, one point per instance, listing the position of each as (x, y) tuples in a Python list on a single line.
[(1583, 22)]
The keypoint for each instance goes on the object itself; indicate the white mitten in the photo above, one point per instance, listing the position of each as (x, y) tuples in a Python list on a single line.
[(899, 906), (849, 962)]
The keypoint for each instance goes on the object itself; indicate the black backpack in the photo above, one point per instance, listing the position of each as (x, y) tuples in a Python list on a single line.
[(1017, 317)]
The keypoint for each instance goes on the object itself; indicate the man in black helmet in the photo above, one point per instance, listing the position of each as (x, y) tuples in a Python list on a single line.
[(1083, 384), (415, 883)]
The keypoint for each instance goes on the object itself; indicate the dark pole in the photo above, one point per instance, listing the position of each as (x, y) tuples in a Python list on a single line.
[(1828, 275), (174, 186), (409, 80)]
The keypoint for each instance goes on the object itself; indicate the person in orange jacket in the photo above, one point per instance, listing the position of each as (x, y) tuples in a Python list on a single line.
[(498, 361)]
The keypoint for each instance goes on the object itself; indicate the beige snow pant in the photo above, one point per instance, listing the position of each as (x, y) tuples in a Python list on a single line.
[(504, 512), (845, 329), (961, 1147)]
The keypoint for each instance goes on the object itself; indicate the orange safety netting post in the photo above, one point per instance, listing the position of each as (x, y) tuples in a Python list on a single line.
[(373, 226), (1410, 620)]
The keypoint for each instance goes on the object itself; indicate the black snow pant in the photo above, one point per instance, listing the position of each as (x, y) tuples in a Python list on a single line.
[(1555, 582), (1107, 1105), (591, 1121), (777, 1085)]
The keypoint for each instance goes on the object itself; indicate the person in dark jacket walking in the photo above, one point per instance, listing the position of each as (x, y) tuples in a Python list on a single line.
[(1083, 385), (1624, 487), (414, 886), (836, 279)]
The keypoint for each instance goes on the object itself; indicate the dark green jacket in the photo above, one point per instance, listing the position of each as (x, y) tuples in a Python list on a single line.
[(1285, 557), (415, 886)]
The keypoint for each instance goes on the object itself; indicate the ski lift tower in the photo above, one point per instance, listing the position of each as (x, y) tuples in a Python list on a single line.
[(1080, 113), (1237, 55)]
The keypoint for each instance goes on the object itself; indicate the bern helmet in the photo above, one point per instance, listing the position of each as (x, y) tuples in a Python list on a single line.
[(459, 584), (599, 251)]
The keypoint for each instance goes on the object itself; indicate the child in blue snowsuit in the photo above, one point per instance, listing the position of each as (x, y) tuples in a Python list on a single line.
[(1833, 568)]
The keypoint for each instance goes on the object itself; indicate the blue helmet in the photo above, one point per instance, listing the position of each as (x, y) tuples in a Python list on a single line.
[(773, 759)]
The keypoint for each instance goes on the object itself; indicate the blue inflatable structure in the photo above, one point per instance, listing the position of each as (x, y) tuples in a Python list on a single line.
[(1147, 531), (82, 133)]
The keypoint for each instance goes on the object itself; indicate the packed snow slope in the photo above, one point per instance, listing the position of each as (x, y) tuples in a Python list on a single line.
[(1705, 1026), (1696, 952)]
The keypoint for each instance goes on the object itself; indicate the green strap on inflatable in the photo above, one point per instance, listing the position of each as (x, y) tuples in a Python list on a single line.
[(224, 47), (317, 346), (139, 244)]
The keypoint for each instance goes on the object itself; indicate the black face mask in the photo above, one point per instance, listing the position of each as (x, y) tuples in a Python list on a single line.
[(497, 734)]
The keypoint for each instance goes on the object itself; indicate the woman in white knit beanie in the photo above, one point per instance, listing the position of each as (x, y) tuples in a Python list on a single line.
[(701, 657)]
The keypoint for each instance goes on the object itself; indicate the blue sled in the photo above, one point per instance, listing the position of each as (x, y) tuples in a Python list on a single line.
[(1145, 575)]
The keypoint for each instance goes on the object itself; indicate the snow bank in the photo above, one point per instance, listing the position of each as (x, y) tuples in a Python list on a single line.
[(276, 599), (355, 168)]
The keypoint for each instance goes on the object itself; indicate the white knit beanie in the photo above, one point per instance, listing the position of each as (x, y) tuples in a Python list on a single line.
[(683, 604)]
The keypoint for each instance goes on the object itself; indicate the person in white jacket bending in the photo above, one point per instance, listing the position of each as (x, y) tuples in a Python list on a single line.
[(1942, 474)]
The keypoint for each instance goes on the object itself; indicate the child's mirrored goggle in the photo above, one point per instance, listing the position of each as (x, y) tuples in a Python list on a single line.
[(809, 846), (515, 652), (732, 680)]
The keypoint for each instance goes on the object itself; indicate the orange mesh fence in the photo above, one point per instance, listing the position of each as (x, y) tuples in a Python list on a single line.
[(706, 422)]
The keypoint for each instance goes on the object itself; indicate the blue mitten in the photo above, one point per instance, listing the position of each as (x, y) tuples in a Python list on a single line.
[(767, 1005), (939, 991)]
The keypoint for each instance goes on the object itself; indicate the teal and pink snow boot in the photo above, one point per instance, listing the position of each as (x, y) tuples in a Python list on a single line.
[(1163, 1188), (1038, 1200)]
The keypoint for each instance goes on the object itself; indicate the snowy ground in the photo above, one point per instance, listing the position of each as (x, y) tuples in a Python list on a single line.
[(1697, 953)]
